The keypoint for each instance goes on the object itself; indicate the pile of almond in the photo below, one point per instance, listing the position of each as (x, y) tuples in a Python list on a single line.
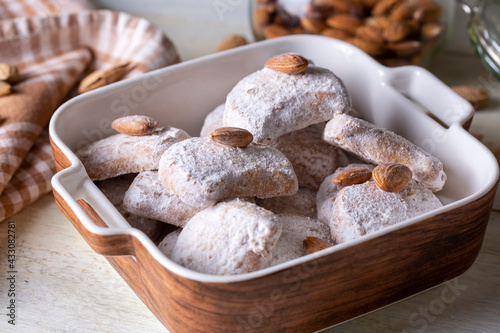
[(394, 32)]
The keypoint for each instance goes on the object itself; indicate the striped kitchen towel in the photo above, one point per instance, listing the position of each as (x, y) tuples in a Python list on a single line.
[(55, 44)]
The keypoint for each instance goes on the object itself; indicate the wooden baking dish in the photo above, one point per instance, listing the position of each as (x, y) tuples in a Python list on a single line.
[(315, 291)]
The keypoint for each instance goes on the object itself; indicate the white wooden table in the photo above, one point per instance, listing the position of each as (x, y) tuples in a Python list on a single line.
[(63, 286)]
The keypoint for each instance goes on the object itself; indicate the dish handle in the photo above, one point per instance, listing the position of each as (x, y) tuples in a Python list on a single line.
[(438, 100), (102, 239)]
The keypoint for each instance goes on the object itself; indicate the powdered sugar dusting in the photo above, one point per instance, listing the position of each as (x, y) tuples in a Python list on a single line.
[(202, 172), (229, 238), (362, 209), (378, 145), (269, 104)]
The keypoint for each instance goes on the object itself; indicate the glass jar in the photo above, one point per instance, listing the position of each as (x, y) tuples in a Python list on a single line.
[(484, 33), (394, 32)]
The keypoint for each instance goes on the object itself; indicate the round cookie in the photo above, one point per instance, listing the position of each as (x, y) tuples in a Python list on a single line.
[(328, 191), (269, 103), (363, 209), (229, 238)]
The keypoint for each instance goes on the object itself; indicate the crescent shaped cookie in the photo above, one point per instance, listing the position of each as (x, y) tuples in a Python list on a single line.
[(147, 197), (378, 145), (269, 103), (229, 238), (202, 172), (120, 154)]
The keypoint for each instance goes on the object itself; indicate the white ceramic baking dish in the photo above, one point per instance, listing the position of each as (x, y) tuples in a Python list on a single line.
[(337, 283)]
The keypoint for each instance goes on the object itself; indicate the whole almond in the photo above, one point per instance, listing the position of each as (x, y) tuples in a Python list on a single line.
[(353, 176), (379, 22), (135, 125), (231, 41), (429, 13), (344, 22), (405, 48), (100, 78), (314, 244), (288, 63), (392, 177), (5, 88), (431, 31), (370, 33), (371, 47), (313, 26), (232, 136), (383, 7), (9, 73), (403, 10), (396, 31), (274, 31), (340, 6), (335, 33), (260, 19), (476, 96)]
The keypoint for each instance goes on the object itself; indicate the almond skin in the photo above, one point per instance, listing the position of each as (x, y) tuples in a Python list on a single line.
[(392, 177), (103, 77), (135, 125), (232, 136), (353, 176), (344, 22), (314, 244), (288, 63)]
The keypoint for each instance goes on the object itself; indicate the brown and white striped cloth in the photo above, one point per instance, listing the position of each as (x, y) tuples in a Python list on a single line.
[(55, 43)]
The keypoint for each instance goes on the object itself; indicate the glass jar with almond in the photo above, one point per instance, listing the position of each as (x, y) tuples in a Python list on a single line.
[(394, 32)]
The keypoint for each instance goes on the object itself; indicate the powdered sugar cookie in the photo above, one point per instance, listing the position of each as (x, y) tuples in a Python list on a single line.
[(120, 154), (269, 103), (363, 209), (328, 191), (147, 197), (202, 172), (378, 145), (114, 189), (312, 158), (229, 238), (213, 121), (295, 229), (301, 203), (167, 245)]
